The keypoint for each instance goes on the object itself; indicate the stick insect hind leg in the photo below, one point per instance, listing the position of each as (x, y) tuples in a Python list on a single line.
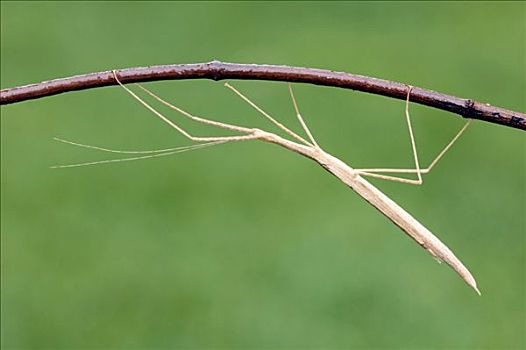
[(373, 172)]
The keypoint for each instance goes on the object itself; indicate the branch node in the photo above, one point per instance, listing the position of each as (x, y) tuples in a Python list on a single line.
[(469, 104), (216, 72)]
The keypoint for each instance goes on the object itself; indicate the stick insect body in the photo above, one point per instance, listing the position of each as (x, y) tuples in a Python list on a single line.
[(354, 178)]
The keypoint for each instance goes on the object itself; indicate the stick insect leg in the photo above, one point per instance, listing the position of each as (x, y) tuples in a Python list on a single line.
[(195, 118), (413, 144), (250, 136), (418, 170), (433, 163), (266, 115), (300, 118), (390, 178), (413, 147)]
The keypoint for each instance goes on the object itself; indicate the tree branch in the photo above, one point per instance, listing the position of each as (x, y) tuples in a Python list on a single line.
[(216, 70)]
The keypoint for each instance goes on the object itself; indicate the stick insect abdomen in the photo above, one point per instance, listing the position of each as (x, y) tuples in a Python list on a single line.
[(396, 214)]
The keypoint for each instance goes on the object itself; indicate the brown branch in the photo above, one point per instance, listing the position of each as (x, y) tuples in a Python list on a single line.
[(216, 70)]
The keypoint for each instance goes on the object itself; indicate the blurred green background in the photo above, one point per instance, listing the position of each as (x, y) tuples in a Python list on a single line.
[(246, 245)]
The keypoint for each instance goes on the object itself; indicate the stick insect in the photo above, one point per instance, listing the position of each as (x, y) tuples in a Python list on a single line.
[(353, 178)]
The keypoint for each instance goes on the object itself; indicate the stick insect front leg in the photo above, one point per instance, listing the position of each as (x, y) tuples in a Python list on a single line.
[(373, 172), (251, 134)]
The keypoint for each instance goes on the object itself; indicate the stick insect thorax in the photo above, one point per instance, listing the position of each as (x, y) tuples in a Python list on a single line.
[(353, 178)]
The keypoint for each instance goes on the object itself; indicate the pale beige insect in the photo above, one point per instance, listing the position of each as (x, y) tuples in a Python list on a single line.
[(354, 178)]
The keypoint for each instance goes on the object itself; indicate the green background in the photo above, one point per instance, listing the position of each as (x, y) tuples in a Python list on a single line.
[(247, 245)]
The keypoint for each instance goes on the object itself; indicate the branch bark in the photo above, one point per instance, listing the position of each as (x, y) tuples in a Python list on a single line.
[(216, 70)]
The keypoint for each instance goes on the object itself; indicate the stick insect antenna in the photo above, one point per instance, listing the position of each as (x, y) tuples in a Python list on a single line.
[(134, 152), (152, 154)]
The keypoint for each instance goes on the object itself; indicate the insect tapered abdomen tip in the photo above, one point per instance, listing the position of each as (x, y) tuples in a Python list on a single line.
[(477, 290), (470, 280)]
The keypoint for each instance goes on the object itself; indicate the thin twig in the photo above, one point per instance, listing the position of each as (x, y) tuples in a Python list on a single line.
[(216, 70)]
